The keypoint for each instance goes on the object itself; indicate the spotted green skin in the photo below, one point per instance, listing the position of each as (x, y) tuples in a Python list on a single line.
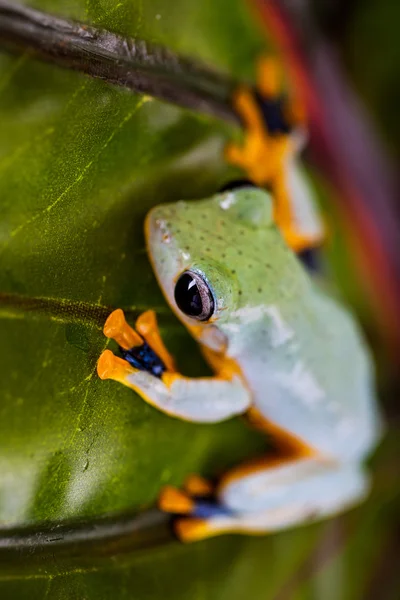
[(300, 353)]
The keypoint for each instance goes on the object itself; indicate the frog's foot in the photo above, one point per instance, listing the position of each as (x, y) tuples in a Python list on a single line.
[(145, 357), (274, 133), (136, 344), (262, 155), (147, 326), (270, 77), (148, 369), (267, 126), (195, 529), (174, 501), (198, 518), (271, 85), (198, 486), (246, 106), (110, 366), (150, 387)]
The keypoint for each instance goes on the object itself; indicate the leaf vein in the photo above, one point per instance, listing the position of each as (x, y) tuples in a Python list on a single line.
[(83, 172)]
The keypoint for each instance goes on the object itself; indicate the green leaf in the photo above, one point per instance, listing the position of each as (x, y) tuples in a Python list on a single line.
[(81, 162)]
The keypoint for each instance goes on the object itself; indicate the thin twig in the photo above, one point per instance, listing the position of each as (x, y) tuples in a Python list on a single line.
[(79, 544), (131, 63), (64, 310)]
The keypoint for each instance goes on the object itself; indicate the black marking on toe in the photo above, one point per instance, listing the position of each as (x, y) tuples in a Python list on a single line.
[(206, 509), (145, 359), (273, 112)]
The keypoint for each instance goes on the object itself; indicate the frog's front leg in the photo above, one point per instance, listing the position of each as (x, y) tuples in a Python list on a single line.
[(202, 400)]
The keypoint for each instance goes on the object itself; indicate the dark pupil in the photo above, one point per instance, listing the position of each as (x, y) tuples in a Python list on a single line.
[(187, 295)]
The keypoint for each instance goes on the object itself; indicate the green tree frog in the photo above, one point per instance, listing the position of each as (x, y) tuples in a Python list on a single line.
[(285, 355)]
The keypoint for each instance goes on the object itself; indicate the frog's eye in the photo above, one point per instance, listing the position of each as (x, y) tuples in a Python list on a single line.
[(193, 296)]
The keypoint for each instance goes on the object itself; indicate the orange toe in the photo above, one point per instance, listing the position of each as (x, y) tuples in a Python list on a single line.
[(173, 500), (192, 529), (195, 485), (118, 329), (105, 365), (113, 367)]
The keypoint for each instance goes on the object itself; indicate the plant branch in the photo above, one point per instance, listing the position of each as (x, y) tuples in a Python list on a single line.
[(131, 63), (63, 310), (79, 544)]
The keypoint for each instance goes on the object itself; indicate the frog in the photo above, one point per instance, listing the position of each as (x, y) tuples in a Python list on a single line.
[(286, 356)]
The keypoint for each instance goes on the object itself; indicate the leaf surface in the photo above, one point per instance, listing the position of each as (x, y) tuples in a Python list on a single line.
[(81, 163)]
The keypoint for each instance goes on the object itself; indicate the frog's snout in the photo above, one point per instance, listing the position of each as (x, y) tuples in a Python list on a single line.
[(163, 230), (161, 247), (156, 228), (159, 224)]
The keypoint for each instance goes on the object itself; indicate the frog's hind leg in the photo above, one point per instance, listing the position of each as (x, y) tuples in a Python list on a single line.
[(292, 485), (270, 499), (196, 517)]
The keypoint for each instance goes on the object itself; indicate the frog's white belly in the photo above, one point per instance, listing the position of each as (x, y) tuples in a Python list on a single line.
[(313, 380), (293, 400)]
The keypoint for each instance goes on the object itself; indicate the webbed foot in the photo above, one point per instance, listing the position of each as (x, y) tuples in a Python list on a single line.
[(196, 518), (274, 126), (148, 368)]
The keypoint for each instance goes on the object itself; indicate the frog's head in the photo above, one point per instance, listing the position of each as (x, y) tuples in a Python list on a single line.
[(201, 251)]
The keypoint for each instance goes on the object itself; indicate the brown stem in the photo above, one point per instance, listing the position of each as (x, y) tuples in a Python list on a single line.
[(131, 63), (79, 544)]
